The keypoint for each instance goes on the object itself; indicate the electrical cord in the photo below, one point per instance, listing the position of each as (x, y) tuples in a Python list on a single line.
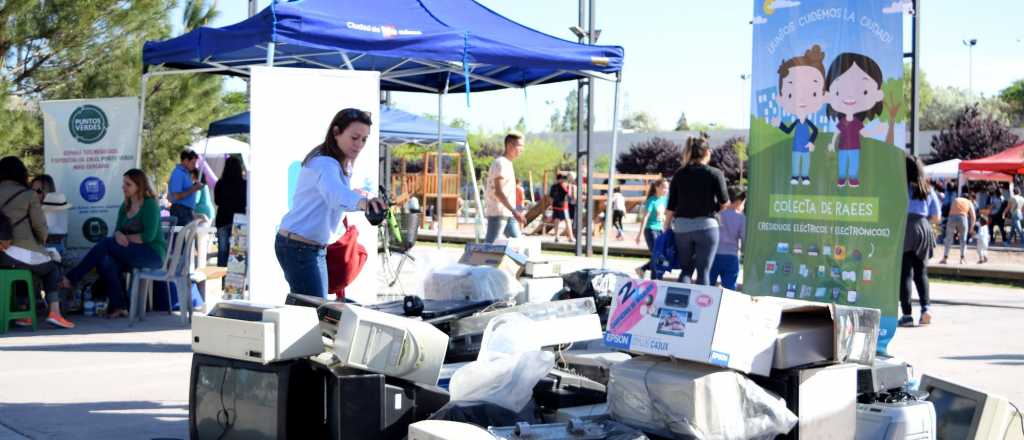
[(1020, 416), (227, 424)]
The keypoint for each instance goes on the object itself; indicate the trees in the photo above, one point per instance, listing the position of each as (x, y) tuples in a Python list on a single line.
[(654, 156), (729, 158), (1013, 96), (63, 49), (894, 108), (972, 135), (681, 124), (640, 121), (565, 120), (948, 103)]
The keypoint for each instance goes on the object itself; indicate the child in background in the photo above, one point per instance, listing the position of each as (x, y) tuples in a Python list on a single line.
[(618, 211), (983, 238), (732, 224)]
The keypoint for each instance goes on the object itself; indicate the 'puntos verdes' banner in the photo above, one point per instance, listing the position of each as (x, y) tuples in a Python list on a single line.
[(828, 198)]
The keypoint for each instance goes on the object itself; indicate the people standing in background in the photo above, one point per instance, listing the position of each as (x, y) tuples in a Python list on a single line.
[(731, 232), (960, 223), (204, 203), (560, 206), (923, 211), (618, 211), (502, 217), (695, 197), (653, 219), (982, 239), (573, 194), (21, 246), (996, 222), (231, 198), (323, 193), (181, 189), (1012, 214)]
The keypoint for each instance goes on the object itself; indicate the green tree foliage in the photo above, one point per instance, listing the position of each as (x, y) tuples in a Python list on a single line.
[(640, 121), (1013, 96), (65, 49), (539, 156), (895, 107), (973, 134), (565, 120), (727, 158), (948, 103), (681, 124)]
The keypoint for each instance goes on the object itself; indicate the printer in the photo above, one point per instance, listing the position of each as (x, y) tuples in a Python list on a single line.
[(255, 332)]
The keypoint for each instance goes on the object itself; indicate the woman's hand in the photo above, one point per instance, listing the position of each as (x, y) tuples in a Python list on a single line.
[(5, 244), (637, 240), (121, 239)]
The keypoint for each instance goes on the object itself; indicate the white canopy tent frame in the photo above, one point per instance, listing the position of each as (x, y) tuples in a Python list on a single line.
[(274, 59)]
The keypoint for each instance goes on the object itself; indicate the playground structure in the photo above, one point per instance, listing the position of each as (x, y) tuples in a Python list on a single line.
[(634, 189), (423, 186)]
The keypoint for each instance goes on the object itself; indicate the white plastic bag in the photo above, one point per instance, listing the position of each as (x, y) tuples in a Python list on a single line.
[(509, 365), (464, 282)]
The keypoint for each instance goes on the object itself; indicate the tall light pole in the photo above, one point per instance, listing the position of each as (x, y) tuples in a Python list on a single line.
[(970, 65), (746, 111)]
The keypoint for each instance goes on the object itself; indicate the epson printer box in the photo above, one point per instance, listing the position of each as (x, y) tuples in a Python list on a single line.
[(703, 324)]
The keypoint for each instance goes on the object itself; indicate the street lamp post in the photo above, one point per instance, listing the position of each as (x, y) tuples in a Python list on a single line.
[(970, 65), (746, 111)]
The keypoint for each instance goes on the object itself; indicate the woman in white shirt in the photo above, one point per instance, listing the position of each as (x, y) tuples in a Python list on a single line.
[(322, 195)]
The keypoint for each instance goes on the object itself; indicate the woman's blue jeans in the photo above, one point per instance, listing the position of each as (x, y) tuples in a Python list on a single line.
[(304, 266)]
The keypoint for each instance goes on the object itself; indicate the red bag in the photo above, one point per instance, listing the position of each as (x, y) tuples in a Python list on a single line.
[(345, 258)]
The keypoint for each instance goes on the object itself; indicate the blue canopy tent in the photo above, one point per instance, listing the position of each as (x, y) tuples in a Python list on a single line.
[(435, 46)]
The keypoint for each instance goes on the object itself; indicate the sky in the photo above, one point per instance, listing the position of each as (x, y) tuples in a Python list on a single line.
[(688, 56)]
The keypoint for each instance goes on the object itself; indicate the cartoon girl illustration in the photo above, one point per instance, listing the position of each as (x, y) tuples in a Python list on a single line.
[(801, 93), (854, 84)]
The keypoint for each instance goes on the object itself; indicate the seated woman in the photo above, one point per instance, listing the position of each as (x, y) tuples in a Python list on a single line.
[(23, 247), (137, 242), (55, 207)]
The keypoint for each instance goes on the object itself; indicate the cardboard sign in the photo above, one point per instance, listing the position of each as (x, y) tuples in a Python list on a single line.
[(703, 324)]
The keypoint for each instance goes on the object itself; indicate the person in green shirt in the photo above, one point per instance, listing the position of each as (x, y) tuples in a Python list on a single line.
[(137, 242), (653, 216)]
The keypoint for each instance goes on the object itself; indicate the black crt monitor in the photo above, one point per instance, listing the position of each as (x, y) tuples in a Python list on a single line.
[(964, 413), (232, 399)]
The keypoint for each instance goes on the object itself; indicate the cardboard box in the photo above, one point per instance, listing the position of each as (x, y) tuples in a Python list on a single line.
[(494, 255), (703, 324), (542, 269), (851, 332), (530, 247), (539, 290)]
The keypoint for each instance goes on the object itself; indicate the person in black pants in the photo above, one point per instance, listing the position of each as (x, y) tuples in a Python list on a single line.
[(230, 196), (695, 197), (923, 210)]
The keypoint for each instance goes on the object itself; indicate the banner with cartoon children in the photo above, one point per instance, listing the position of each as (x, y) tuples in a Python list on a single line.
[(828, 195)]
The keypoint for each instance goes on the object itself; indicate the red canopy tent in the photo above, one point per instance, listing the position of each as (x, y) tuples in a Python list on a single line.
[(1009, 161)]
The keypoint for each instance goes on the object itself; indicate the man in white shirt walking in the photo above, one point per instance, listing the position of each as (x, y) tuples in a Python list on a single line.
[(500, 192)]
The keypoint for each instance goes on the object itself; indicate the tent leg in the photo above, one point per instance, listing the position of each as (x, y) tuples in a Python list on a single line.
[(270, 53), (479, 219), (611, 173), (142, 118), (437, 168)]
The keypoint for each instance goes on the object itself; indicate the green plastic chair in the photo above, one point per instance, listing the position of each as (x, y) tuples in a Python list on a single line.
[(7, 279)]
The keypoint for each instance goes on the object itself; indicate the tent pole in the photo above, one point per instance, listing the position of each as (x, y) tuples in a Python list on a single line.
[(142, 118), (270, 53), (479, 217), (437, 163), (611, 172)]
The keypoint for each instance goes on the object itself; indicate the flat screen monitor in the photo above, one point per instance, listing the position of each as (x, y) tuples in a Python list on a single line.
[(964, 413), (231, 399)]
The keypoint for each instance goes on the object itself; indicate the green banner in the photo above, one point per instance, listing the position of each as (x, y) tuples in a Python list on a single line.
[(827, 204)]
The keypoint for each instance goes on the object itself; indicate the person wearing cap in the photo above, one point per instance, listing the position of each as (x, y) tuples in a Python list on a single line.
[(22, 243)]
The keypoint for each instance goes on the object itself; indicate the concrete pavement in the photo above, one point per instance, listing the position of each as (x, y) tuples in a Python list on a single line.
[(105, 380)]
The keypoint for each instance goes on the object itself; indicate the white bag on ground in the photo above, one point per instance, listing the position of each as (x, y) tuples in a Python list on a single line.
[(509, 365), (476, 283), (690, 400)]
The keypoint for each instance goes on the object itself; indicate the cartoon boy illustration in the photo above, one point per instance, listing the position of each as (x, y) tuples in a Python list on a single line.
[(854, 84), (801, 93)]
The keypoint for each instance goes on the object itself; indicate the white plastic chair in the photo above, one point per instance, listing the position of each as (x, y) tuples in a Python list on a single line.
[(176, 269)]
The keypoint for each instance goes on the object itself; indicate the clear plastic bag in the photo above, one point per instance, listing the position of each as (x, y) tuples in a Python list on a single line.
[(476, 283), (509, 365)]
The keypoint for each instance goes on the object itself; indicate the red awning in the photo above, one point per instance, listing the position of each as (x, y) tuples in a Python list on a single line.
[(1010, 161)]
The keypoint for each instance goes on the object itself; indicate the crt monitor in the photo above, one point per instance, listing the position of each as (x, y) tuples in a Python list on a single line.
[(233, 399), (963, 413)]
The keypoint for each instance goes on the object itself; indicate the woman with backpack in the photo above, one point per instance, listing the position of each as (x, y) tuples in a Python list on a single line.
[(560, 208), (22, 236)]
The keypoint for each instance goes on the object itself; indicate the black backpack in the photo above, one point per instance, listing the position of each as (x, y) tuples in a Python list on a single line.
[(6, 226)]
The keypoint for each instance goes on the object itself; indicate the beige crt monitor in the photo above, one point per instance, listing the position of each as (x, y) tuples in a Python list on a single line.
[(963, 413)]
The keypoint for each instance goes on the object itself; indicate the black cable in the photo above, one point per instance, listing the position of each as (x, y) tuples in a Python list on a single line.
[(227, 424), (1020, 416)]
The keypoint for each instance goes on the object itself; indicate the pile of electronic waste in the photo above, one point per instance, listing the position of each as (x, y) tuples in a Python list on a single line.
[(508, 346)]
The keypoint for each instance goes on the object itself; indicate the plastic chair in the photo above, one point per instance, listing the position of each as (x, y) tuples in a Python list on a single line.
[(7, 279), (176, 269)]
